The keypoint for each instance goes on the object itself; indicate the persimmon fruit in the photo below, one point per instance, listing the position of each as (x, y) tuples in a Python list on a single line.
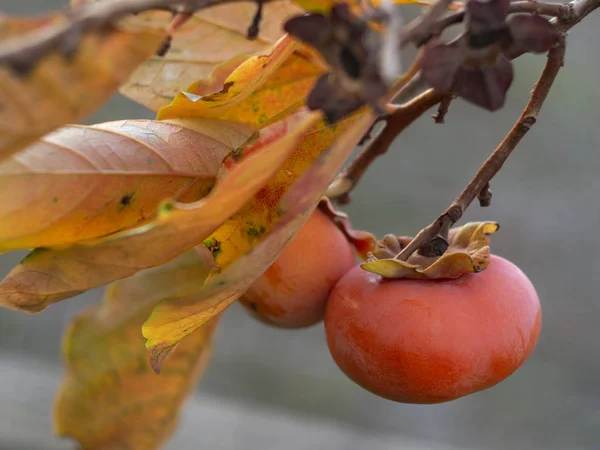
[(432, 341), (293, 292)]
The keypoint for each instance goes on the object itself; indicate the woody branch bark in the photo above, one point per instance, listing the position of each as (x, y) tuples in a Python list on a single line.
[(432, 239), (22, 53)]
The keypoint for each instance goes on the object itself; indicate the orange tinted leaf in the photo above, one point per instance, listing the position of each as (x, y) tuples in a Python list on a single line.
[(81, 183), (58, 89), (259, 90), (174, 319), (47, 276), (108, 368), (243, 230), (213, 37)]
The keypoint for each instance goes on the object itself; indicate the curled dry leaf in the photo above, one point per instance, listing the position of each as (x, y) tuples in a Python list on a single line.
[(468, 252), (174, 319), (261, 90), (363, 241), (46, 276), (81, 183), (39, 94), (108, 368), (212, 39)]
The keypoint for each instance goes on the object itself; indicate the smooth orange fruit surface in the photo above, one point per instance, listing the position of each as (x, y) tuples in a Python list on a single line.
[(422, 341), (293, 292)]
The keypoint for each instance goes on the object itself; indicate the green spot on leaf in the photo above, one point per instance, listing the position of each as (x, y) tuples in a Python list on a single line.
[(213, 245), (255, 231), (165, 208)]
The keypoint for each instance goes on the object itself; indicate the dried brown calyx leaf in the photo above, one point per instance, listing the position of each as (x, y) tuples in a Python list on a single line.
[(468, 252), (351, 49), (477, 65), (363, 241)]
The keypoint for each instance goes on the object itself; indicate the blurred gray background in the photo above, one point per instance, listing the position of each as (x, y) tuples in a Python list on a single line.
[(271, 389)]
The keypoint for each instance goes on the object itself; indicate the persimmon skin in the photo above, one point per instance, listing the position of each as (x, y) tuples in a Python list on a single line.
[(422, 341), (293, 292)]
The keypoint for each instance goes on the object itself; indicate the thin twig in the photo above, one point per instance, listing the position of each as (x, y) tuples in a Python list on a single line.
[(438, 230), (413, 88), (23, 52), (445, 103), (254, 27), (485, 196), (561, 11), (339, 190), (401, 117), (568, 15), (418, 31)]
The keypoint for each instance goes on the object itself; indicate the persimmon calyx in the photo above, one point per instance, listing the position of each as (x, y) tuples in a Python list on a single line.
[(364, 242), (468, 252)]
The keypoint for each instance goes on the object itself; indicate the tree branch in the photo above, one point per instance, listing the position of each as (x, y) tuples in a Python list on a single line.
[(433, 237), (566, 14), (401, 117), (22, 53), (578, 10), (398, 119), (445, 103), (418, 30)]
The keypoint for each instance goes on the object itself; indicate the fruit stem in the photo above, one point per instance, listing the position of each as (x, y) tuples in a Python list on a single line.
[(431, 240), (401, 117)]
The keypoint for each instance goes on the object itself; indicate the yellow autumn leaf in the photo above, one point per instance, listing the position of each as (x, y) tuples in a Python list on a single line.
[(262, 89), (212, 39), (173, 319), (81, 183), (108, 368), (41, 90), (46, 276)]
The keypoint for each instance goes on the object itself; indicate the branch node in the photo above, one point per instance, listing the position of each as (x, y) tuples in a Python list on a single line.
[(454, 213), (527, 122), (485, 196), (565, 12)]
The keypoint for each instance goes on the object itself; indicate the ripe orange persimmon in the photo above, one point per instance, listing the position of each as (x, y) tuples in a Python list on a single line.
[(431, 341), (293, 292)]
